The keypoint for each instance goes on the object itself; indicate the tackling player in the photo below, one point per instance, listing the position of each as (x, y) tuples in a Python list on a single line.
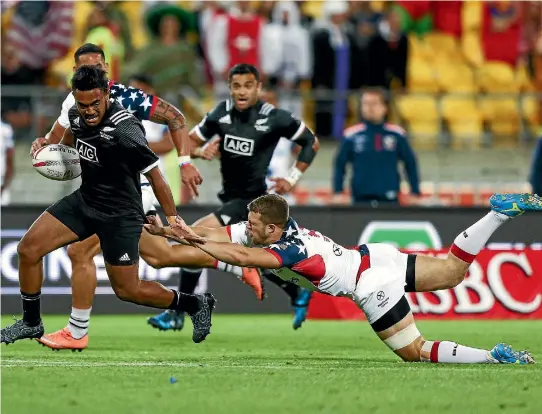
[(113, 151), (248, 130), (375, 275)]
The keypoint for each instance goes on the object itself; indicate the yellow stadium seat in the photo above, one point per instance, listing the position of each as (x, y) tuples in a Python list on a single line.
[(502, 115), (464, 120), (497, 77), (421, 76), (443, 46), (471, 16), (458, 78), (313, 8), (418, 49), (422, 119), (472, 48)]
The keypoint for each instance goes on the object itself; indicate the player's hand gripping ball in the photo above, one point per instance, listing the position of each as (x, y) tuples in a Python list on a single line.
[(57, 162)]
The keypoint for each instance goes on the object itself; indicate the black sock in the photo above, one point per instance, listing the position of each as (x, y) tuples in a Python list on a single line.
[(183, 302), (31, 308), (189, 280), (290, 289)]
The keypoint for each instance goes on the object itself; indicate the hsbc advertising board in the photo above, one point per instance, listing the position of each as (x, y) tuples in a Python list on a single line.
[(505, 281)]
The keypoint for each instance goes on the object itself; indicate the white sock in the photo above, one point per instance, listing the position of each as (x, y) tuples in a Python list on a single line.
[(469, 243), (236, 270), (78, 323), (446, 352)]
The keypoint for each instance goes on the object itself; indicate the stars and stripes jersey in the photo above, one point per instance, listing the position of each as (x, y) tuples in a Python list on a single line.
[(247, 142), (134, 100), (113, 154), (310, 259)]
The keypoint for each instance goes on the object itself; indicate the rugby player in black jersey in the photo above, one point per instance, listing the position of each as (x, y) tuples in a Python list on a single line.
[(114, 152), (248, 130)]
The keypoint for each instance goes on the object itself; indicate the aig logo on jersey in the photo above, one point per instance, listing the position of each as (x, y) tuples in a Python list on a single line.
[(238, 145), (87, 151)]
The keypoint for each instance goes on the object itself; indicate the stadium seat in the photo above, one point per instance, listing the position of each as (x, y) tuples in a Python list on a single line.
[(456, 78), (421, 76), (442, 46), (422, 118), (502, 115), (418, 49), (464, 120), (497, 77)]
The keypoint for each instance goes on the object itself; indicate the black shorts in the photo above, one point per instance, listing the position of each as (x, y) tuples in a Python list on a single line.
[(233, 211), (119, 235)]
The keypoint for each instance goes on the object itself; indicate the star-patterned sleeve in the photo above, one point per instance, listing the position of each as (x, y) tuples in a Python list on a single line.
[(288, 253), (140, 104)]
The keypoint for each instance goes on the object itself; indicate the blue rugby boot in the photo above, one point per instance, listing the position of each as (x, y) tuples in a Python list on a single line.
[(513, 205), (168, 320), (504, 354), (301, 305)]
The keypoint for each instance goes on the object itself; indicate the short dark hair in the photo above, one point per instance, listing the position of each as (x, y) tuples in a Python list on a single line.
[(141, 77), (380, 92), (244, 69), (87, 78), (86, 49), (272, 208)]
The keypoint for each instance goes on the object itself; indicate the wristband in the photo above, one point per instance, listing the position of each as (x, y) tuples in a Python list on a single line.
[(294, 176), (184, 160)]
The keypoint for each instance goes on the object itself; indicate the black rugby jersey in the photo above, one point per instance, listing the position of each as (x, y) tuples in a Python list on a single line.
[(113, 154), (248, 140)]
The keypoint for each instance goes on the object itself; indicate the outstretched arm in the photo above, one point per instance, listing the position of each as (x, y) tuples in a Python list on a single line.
[(238, 255)]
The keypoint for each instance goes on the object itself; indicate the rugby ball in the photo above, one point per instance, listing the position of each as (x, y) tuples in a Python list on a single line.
[(57, 162)]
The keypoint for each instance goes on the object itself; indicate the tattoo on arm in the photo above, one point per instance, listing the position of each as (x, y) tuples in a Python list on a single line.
[(167, 114)]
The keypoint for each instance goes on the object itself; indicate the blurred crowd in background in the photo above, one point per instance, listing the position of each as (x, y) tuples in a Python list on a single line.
[(460, 77)]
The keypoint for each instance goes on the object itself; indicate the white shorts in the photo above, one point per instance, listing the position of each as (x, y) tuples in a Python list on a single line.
[(382, 286), (148, 198)]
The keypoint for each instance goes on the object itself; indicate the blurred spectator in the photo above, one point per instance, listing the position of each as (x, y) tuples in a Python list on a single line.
[(501, 31), (285, 152), (118, 19), (205, 16), (265, 9), (374, 148), (17, 109), (536, 169), (169, 57), (157, 135), (414, 16), (336, 69), (305, 19), (447, 17), (7, 151), (388, 52), (365, 22), (103, 32), (239, 36), (293, 62), (40, 32)]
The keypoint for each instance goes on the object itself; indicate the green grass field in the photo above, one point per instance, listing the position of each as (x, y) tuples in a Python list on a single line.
[(258, 364)]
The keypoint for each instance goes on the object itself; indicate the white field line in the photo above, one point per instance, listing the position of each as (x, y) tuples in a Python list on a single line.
[(23, 363)]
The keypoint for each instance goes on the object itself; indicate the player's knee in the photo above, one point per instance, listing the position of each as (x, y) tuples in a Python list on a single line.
[(125, 293), (28, 251), (78, 254)]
